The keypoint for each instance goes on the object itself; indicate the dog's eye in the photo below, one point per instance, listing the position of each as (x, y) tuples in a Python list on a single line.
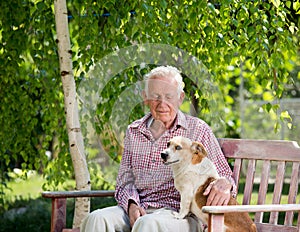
[(178, 147), (168, 144)]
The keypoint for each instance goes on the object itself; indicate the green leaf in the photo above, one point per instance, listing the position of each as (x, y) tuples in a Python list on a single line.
[(276, 3)]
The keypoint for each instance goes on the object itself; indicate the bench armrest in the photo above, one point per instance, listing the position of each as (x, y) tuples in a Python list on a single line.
[(250, 208), (59, 204), (216, 214), (76, 194)]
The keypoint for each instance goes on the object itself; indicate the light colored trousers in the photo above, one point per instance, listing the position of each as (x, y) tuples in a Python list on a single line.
[(114, 219)]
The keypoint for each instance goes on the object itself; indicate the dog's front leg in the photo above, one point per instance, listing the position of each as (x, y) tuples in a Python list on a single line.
[(185, 204)]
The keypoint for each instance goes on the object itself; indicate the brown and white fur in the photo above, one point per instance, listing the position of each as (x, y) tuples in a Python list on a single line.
[(193, 172)]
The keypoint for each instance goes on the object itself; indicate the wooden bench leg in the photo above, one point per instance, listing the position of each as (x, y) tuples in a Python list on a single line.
[(215, 222), (58, 217)]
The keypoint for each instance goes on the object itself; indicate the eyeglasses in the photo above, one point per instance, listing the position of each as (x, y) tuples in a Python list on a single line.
[(158, 97)]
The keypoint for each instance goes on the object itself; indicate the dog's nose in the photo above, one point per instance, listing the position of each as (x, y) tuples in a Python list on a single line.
[(164, 155)]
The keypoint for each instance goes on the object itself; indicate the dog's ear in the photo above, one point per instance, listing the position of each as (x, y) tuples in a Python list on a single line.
[(198, 151), (198, 148)]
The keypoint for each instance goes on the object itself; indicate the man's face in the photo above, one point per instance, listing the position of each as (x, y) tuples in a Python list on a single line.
[(163, 99)]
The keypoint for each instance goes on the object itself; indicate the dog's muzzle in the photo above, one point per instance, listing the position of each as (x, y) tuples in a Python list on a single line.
[(165, 156)]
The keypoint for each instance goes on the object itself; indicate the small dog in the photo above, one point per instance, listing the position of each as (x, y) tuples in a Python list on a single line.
[(193, 172)]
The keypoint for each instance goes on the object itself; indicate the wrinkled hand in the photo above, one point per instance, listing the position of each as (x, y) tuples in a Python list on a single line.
[(218, 192), (134, 212)]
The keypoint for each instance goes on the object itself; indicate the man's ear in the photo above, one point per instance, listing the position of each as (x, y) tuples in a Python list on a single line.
[(145, 98), (181, 98)]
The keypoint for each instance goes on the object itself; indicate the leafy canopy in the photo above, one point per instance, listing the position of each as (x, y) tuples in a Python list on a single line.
[(254, 43)]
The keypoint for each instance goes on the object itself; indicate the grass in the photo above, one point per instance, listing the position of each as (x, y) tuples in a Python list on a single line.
[(269, 197), (26, 189)]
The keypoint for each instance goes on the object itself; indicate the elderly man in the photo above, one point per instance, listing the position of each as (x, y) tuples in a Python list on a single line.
[(145, 189)]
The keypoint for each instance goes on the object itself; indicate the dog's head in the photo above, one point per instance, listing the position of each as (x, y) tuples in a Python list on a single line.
[(184, 151)]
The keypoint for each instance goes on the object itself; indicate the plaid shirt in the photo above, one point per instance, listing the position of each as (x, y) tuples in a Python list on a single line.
[(144, 178)]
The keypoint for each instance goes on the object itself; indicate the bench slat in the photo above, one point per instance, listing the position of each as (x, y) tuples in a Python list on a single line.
[(263, 188), (292, 192), (249, 182), (261, 149), (277, 190), (237, 171)]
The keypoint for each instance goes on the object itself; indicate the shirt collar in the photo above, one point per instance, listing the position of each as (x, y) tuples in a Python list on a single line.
[(181, 120)]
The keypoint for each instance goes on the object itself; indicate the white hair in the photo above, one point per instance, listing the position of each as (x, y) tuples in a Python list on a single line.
[(165, 72)]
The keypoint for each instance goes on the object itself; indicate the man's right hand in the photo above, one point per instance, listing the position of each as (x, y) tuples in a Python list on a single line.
[(134, 212)]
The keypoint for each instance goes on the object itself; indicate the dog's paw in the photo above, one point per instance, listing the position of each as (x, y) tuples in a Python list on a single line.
[(179, 215)]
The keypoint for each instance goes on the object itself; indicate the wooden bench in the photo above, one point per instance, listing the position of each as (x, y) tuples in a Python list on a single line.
[(278, 158), (276, 162)]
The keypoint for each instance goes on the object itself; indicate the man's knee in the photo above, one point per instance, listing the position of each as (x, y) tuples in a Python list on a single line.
[(164, 222), (146, 223), (106, 219), (102, 214)]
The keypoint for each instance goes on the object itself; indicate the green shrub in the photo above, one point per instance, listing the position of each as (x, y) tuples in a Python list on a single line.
[(27, 215)]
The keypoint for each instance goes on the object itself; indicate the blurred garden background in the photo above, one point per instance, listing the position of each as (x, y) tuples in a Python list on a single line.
[(249, 87)]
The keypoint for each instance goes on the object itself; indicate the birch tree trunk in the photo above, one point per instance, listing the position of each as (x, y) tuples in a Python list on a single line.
[(82, 177)]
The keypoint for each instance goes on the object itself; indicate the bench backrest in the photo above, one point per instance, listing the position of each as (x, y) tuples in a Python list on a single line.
[(267, 172)]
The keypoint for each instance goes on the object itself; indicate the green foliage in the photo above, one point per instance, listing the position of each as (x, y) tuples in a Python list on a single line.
[(32, 114), (248, 43), (102, 179)]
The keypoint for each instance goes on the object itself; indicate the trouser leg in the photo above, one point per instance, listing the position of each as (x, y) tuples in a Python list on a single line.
[(163, 220), (110, 219)]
